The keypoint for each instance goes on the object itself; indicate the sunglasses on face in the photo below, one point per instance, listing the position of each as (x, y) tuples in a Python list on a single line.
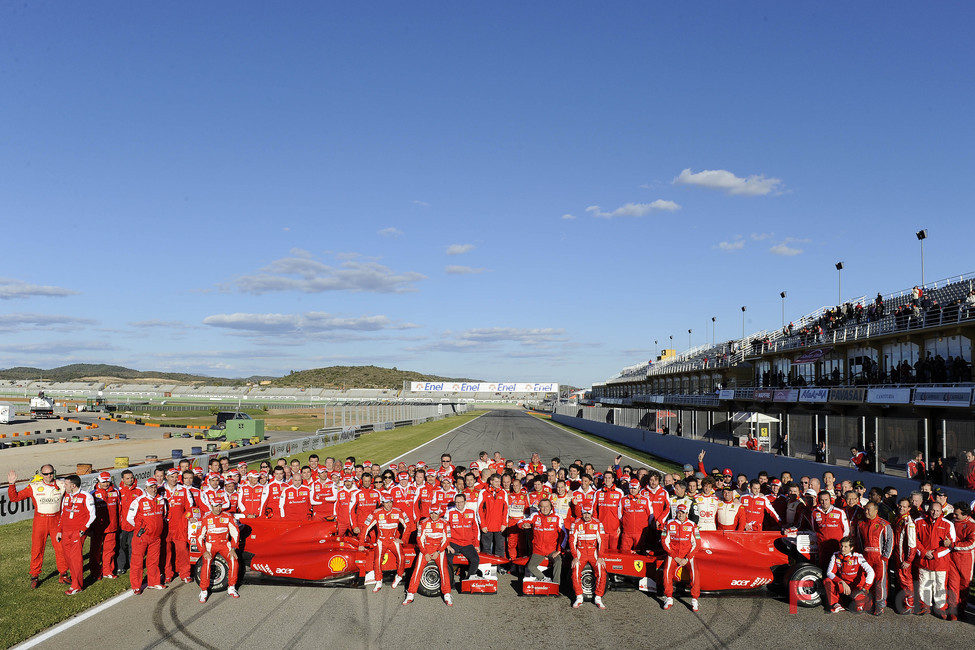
[(47, 473)]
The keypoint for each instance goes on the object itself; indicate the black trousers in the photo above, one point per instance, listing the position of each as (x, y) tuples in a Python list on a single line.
[(123, 550), (493, 543), (467, 551)]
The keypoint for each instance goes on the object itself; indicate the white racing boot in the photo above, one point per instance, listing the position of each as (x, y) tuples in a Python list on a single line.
[(409, 599), (668, 603), (232, 592), (578, 602), (379, 585), (203, 596), (396, 581), (448, 601), (694, 606), (599, 602)]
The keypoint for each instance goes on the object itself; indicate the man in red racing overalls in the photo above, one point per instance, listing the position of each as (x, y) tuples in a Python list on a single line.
[(585, 544), (848, 573), (387, 521), (432, 538), (218, 534), (681, 539)]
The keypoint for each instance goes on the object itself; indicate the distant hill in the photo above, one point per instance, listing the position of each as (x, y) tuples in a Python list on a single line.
[(356, 377), (77, 371), (331, 377)]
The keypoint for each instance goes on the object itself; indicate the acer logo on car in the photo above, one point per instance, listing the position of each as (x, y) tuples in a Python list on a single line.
[(284, 571)]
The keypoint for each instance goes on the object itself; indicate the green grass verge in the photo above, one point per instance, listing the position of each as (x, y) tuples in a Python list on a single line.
[(27, 612), (649, 459)]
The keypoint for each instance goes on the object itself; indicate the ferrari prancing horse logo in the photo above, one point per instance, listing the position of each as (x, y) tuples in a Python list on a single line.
[(638, 565)]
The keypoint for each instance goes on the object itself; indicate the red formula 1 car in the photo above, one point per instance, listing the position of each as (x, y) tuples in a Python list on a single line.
[(311, 553), (727, 561)]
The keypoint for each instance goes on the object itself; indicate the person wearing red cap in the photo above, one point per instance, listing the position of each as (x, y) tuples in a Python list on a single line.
[(147, 518), (681, 540), (634, 515), (251, 496), (585, 544), (344, 501), (432, 539), (387, 521), (273, 496), (176, 556), (77, 516), (212, 492), (218, 534), (366, 502), (101, 551)]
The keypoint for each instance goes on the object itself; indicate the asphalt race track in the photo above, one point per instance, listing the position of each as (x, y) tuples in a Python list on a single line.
[(295, 617)]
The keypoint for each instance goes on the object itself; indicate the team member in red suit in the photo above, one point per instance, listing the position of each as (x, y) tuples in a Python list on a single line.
[(585, 542), (46, 495), (681, 539), (608, 510), (849, 574), (432, 538), (634, 514), (128, 491), (250, 496), (517, 511), (492, 509), (273, 497), (935, 538), (366, 502), (218, 534), (101, 551), (962, 557), (212, 492), (404, 500), (875, 538), (546, 529), (831, 526), (659, 500), (176, 556), (147, 517), (754, 507), (905, 551), (464, 535), (387, 521), (344, 500), (295, 502), (77, 516)]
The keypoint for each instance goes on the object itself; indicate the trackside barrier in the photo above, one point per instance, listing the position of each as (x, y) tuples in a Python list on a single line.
[(685, 450), (12, 512)]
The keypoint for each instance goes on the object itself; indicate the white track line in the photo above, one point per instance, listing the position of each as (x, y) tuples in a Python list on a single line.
[(556, 425), (88, 613), (435, 439)]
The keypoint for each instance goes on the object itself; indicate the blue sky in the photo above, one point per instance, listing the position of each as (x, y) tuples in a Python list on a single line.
[(496, 192)]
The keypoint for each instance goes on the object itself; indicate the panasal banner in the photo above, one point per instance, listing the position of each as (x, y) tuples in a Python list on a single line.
[(481, 387)]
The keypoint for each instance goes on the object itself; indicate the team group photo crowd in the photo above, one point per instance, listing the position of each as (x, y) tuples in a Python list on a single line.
[(874, 545)]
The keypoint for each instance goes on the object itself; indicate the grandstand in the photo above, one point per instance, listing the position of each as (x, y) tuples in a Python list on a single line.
[(892, 373)]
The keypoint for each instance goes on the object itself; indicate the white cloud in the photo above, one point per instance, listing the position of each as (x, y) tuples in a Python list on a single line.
[(17, 322), (301, 252), (459, 249), (633, 209), (568, 217), (312, 322), (519, 334), (725, 181), (422, 204), (462, 270), (11, 289), (311, 276), (391, 232), (761, 236), (492, 339), (731, 246), (56, 347), (156, 323), (783, 249)]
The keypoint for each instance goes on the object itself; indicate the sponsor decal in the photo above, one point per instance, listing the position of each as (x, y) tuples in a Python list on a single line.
[(263, 568), (483, 387), (726, 393), (785, 395), (944, 396), (812, 355), (813, 394), (764, 394), (284, 571), (847, 395), (889, 395), (638, 565)]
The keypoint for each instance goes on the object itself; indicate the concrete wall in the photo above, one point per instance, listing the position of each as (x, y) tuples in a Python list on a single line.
[(740, 460)]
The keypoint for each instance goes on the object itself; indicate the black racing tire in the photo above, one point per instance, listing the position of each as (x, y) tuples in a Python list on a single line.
[(810, 596), (219, 573), (588, 580), (429, 581)]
